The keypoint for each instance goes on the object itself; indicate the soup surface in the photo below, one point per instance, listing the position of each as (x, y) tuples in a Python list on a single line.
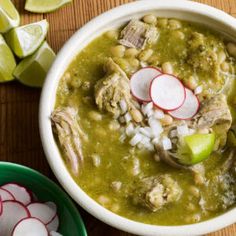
[(134, 158)]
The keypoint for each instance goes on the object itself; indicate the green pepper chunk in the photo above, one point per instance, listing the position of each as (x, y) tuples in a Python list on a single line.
[(197, 147)]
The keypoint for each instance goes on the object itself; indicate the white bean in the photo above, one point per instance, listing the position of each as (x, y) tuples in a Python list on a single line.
[(131, 52), (174, 24), (221, 57), (136, 115), (118, 51), (231, 47), (166, 120), (145, 55), (94, 115), (192, 82), (112, 34), (167, 68), (224, 66), (162, 22), (150, 19)]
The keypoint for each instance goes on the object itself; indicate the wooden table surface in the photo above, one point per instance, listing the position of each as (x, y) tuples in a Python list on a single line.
[(19, 135)]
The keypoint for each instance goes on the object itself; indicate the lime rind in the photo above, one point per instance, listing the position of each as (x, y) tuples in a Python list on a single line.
[(9, 16), (7, 62), (44, 6), (196, 148), (32, 70), (26, 39)]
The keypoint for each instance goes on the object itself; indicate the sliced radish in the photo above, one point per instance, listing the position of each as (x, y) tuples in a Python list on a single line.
[(140, 83), (53, 225), (19, 192), (1, 207), (188, 109), (6, 195), (167, 92), (30, 227), (52, 205), (12, 213), (53, 233), (41, 211)]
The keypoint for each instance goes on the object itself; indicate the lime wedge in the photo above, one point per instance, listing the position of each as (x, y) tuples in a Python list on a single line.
[(44, 6), (197, 148), (26, 39), (9, 16), (7, 61), (32, 70)]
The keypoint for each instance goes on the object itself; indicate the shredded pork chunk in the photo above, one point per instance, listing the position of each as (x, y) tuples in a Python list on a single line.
[(156, 191), (137, 33), (112, 89), (69, 135)]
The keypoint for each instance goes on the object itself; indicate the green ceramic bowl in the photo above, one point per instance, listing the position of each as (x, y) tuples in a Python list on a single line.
[(70, 219)]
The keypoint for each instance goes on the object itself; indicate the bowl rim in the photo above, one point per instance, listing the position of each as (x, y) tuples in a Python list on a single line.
[(64, 198), (48, 95)]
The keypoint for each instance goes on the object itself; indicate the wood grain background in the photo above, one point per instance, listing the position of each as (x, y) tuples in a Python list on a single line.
[(19, 135)]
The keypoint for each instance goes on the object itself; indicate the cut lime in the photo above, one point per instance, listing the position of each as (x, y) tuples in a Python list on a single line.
[(7, 61), (9, 16), (44, 6), (32, 70), (26, 39), (197, 147)]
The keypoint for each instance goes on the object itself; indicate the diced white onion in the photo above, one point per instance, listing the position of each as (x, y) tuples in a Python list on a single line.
[(150, 113), (123, 106), (147, 108), (137, 130), (129, 129), (198, 89), (127, 117), (155, 126), (145, 140), (149, 146), (147, 131), (182, 130), (158, 114), (166, 143), (136, 139)]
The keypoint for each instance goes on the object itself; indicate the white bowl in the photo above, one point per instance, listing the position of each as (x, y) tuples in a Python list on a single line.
[(186, 10)]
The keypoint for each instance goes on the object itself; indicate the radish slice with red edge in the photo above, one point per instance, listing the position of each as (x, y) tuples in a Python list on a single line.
[(53, 225), (167, 92), (6, 195), (12, 213), (30, 227), (53, 233), (140, 83), (41, 211), (188, 109), (1, 207), (20, 193), (52, 205)]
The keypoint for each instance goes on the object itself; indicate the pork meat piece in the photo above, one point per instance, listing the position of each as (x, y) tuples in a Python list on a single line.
[(137, 33), (69, 134), (112, 89), (156, 191)]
